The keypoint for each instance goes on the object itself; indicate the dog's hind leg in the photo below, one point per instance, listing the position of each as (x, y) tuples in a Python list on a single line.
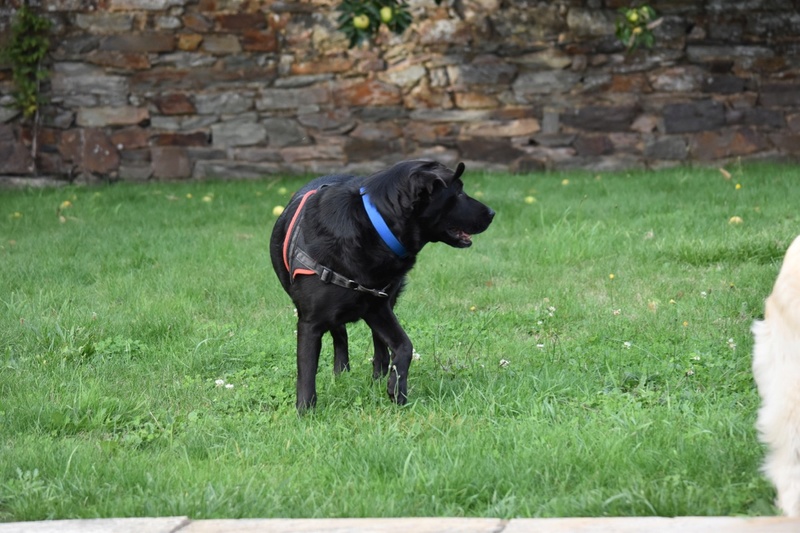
[(309, 344), (380, 361), (341, 357)]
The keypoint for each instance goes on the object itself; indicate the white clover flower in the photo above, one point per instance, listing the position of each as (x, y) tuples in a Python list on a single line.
[(229, 385), (617, 312), (731, 344), (415, 355), (540, 345), (219, 382), (703, 294), (504, 363), (627, 345)]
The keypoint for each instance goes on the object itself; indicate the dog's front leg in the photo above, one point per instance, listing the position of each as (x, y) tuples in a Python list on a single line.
[(385, 325), (309, 344)]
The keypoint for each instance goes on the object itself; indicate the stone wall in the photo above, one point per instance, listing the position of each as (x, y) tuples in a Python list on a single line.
[(172, 89)]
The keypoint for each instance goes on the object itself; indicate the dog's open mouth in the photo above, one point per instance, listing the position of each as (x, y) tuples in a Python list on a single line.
[(462, 238)]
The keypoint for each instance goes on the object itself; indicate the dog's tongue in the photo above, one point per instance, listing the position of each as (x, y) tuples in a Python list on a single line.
[(464, 236)]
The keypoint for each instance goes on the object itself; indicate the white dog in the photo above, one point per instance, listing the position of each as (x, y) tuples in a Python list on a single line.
[(776, 367)]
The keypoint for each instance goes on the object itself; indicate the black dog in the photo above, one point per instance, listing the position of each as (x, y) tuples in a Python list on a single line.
[(343, 247)]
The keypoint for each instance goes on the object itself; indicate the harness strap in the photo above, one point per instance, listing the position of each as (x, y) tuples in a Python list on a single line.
[(294, 257), (290, 242), (329, 276)]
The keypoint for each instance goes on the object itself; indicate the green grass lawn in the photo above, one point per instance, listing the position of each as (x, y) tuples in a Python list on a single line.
[(588, 356)]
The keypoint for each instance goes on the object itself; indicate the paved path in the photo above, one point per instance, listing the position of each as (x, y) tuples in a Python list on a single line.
[(180, 524)]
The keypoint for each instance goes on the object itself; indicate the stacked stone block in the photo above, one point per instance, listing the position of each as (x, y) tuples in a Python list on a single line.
[(175, 89)]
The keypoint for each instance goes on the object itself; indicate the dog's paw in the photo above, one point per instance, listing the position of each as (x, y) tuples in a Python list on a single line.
[(397, 388), (398, 398), (305, 404)]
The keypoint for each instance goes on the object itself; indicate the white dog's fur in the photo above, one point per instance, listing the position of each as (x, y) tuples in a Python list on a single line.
[(776, 367)]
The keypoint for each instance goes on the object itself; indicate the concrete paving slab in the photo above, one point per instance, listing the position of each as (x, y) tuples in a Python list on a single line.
[(655, 524), (415, 525), (103, 525), (350, 525)]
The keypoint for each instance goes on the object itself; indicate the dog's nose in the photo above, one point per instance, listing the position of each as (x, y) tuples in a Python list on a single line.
[(491, 213)]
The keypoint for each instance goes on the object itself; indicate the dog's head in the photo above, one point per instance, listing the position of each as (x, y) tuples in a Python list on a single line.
[(431, 196), (450, 215)]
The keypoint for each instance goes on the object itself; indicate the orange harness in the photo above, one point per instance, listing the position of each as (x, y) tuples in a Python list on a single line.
[(290, 242), (298, 262)]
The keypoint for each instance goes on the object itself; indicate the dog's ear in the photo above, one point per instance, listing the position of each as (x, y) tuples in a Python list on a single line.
[(433, 176), (414, 182), (459, 170)]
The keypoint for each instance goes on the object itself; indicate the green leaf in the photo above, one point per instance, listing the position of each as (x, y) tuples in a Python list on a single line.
[(25, 51)]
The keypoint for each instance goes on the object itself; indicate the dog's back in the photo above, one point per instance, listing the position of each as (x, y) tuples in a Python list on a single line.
[(776, 368), (281, 226)]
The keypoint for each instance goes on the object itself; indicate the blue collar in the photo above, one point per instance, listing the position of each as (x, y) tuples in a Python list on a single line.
[(381, 227)]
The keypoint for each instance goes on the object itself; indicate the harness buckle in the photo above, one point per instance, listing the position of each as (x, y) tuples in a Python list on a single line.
[(351, 284), (325, 275)]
